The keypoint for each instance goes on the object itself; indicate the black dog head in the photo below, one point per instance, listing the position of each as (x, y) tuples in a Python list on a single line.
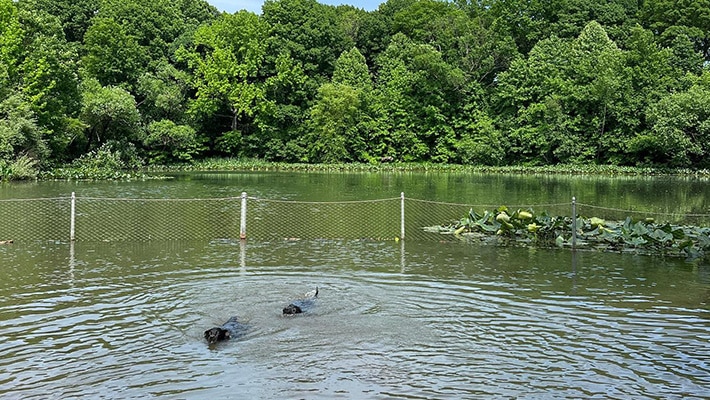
[(214, 335), (292, 309)]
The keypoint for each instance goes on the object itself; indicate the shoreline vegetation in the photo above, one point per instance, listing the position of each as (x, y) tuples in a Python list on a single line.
[(106, 170), (566, 169), (102, 172)]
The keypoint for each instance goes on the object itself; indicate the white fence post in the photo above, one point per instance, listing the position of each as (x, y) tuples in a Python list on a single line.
[(72, 232), (401, 231), (243, 222), (574, 223)]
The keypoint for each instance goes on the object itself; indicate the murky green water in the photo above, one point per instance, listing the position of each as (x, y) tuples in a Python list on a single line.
[(408, 319)]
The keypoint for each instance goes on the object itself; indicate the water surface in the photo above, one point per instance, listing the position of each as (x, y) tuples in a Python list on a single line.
[(439, 320), (394, 319)]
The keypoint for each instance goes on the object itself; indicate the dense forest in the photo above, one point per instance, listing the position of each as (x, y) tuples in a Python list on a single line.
[(491, 82)]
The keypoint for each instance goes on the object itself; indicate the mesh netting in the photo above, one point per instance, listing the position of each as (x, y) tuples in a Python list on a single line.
[(369, 219), (121, 219), (661, 216), (35, 219), (101, 219)]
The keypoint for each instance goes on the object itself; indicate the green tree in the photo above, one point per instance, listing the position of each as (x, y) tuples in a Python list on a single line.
[(20, 135), (156, 24), (570, 17), (309, 31), (685, 57), (333, 131), (599, 81), (472, 42), (168, 143), (110, 115), (11, 35), (113, 56), (313, 35), (480, 142), (530, 93), (339, 119), (680, 129), (74, 15), (566, 100), (417, 93), (45, 77), (526, 21), (164, 92), (282, 127), (374, 31), (226, 59), (50, 82), (670, 19), (351, 69)]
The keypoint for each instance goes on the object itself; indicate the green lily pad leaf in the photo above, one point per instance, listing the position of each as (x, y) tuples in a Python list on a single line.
[(685, 244), (704, 241), (627, 225), (594, 221), (678, 234), (610, 236), (637, 241), (639, 229), (473, 216), (560, 241), (661, 236)]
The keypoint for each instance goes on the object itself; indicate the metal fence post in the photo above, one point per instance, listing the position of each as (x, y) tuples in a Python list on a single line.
[(243, 222), (574, 223), (72, 232), (401, 231)]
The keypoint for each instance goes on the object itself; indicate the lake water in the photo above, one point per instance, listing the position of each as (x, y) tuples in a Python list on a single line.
[(394, 319)]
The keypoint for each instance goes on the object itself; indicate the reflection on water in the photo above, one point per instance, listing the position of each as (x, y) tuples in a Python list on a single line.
[(414, 319)]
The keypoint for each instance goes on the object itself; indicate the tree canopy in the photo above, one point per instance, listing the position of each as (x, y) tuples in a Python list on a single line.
[(499, 82)]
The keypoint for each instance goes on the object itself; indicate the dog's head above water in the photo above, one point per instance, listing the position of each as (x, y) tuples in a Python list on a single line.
[(303, 305), (229, 330), (292, 309), (214, 335)]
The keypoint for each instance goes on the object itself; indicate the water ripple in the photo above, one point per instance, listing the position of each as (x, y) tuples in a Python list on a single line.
[(131, 327)]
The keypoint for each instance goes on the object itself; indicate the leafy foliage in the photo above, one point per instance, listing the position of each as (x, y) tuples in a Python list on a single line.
[(167, 142), (226, 58), (526, 228), (502, 82), (111, 114), (23, 168)]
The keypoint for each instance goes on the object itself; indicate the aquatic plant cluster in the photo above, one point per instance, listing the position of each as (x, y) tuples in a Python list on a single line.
[(524, 227), (253, 164)]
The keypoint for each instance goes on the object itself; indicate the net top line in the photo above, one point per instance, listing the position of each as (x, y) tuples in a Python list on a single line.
[(261, 199)]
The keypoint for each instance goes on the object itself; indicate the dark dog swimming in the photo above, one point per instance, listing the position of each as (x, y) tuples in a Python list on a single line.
[(303, 305), (231, 329)]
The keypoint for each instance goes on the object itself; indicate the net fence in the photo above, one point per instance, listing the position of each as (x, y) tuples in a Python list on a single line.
[(126, 219)]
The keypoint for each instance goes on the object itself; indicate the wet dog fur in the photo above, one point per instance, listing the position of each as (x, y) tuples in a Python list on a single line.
[(229, 330), (303, 305)]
